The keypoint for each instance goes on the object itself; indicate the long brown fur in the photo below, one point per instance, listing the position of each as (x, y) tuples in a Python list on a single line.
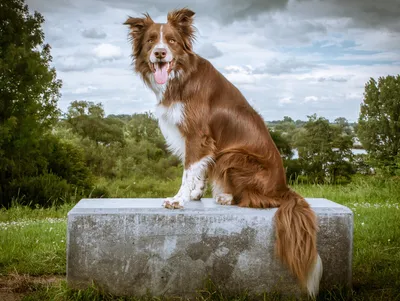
[(221, 124)]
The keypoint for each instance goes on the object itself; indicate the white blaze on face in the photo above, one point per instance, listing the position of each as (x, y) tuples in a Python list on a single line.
[(161, 65)]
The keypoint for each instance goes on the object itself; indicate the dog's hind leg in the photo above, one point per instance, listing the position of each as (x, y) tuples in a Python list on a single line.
[(221, 195)]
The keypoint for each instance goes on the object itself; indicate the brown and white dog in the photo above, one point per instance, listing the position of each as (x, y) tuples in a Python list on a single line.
[(208, 123)]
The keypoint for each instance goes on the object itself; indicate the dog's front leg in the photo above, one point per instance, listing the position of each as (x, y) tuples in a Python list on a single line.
[(178, 200), (193, 184)]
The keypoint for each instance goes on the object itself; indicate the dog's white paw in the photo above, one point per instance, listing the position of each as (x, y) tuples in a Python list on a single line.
[(197, 192), (176, 202), (197, 189), (224, 199)]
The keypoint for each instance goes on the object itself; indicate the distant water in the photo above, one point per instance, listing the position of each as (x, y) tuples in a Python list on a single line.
[(355, 151)]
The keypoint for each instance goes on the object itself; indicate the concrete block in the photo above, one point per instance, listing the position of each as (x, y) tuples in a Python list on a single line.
[(135, 246)]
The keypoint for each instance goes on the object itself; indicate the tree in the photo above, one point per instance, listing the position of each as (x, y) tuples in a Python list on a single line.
[(344, 125), (324, 150), (29, 91), (293, 167), (144, 126), (288, 119), (87, 119), (286, 127), (282, 144), (379, 122)]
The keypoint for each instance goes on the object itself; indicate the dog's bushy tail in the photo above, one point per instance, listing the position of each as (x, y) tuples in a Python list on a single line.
[(259, 181), (296, 245)]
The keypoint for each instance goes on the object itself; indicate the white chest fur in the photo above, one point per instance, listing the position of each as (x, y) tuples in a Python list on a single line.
[(169, 118)]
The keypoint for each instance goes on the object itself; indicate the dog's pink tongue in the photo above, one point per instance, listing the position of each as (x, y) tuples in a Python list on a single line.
[(161, 74)]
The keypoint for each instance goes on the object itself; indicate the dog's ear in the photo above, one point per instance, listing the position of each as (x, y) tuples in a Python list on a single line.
[(138, 25), (182, 19)]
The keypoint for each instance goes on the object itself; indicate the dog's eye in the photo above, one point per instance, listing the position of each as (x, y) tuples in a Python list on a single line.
[(172, 41), (150, 41)]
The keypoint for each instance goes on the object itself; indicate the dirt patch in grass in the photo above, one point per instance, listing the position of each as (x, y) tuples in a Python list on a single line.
[(14, 287)]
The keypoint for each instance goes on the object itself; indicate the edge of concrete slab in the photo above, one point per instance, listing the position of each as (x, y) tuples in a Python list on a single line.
[(206, 205)]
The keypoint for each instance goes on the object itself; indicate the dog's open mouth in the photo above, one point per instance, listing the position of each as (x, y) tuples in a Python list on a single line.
[(161, 71)]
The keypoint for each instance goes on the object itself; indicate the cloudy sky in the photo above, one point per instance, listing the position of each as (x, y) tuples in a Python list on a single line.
[(288, 57)]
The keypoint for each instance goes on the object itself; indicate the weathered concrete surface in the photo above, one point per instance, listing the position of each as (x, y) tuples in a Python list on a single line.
[(134, 246)]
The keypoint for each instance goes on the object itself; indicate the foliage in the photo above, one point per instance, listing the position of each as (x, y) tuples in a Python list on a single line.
[(144, 152), (145, 127), (135, 146), (361, 166), (282, 144), (379, 122), (286, 126), (87, 119), (36, 168), (100, 192), (324, 150), (293, 168), (43, 190), (63, 174), (68, 162), (29, 91)]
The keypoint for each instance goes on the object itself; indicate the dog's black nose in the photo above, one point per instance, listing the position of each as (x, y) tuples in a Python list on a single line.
[(160, 53)]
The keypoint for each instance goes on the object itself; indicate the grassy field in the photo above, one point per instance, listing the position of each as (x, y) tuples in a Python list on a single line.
[(32, 243)]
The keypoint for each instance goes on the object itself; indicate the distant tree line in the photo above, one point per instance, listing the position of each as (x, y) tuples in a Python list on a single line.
[(324, 149), (47, 157)]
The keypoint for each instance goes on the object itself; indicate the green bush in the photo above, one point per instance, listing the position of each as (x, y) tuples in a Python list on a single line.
[(361, 165), (340, 172), (56, 160), (68, 162), (99, 192), (44, 190), (293, 169)]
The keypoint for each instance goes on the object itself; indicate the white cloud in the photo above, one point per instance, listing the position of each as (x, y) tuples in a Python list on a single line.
[(107, 51), (310, 99), (334, 79), (84, 90), (73, 63), (276, 66), (239, 69), (94, 33), (209, 51), (285, 100), (381, 56), (241, 79)]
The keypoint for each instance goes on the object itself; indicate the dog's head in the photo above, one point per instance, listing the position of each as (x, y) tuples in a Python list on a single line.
[(161, 50)]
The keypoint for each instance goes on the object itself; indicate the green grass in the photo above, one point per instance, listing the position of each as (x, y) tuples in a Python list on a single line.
[(19, 213), (34, 247), (363, 189), (140, 187), (62, 292), (32, 241)]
